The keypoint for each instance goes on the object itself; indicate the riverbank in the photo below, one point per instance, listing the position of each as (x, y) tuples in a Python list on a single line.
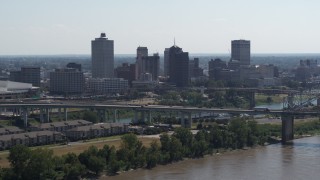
[(135, 173), (299, 160)]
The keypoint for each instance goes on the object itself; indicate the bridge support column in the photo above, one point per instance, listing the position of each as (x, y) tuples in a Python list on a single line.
[(102, 115), (149, 116), (59, 114), (48, 114), (135, 120), (65, 114), (41, 115), (143, 116), (25, 117), (287, 127), (186, 123), (182, 119), (252, 100), (115, 113)]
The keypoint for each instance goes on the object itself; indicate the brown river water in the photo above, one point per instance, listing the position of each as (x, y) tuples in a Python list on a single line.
[(299, 160)]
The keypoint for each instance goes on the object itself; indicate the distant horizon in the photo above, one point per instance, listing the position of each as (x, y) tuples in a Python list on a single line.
[(161, 54)]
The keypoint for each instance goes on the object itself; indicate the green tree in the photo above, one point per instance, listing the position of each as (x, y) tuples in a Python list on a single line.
[(240, 129), (72, 168), (19, 157), (40, 165), (113, 164), (96, 164), (153, 154), (176, 149), (186, 138)]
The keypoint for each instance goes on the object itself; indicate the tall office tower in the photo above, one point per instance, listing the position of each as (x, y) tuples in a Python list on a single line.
[(166, 62), (178, 66), (142, 51), (27, 75), (151, 64), (240, 50), (102, 54), (147, 64)]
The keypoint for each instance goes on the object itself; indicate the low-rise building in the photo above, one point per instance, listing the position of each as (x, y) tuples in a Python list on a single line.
[(61, 126), (10, 130), (31, 139), (96, 130), (16, 90), (108, 85)]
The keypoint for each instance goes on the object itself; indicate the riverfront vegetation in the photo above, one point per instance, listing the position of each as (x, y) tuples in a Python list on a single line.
[(132, 153)]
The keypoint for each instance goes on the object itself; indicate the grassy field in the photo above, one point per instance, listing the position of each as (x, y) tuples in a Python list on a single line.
[(262, 98), (79, 147)]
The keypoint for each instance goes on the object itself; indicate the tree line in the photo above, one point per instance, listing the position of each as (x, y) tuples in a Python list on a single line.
[(132, 154)]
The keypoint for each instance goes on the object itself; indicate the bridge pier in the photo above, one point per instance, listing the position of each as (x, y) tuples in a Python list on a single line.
[(186, 123), (143, 116), (287, 127), (115, 113), (25, 117), (65, 114), (101, 115), (41, 115), (60, 114), (48, 115), (135, 120), (149, 116), (252, 100)]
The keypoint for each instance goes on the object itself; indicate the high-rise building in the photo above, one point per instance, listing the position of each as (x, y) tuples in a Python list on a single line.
[(194, 70), (102, 54), (147, 64), (178, 66), (27, 75), (215, 67), (240, 50), (142, 51), (67, 81), (127, 72), (166, 62)]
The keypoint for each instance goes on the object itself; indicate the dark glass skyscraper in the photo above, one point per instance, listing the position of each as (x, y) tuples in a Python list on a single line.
[(178, 67)]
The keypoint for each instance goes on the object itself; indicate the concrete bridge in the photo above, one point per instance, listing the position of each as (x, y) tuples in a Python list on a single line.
[(287, 117)]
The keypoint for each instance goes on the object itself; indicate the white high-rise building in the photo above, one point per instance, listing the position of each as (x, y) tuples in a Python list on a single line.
[(240, 50), (102, 54)]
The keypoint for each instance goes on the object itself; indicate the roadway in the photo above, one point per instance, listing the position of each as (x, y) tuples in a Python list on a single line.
[(154, 108)]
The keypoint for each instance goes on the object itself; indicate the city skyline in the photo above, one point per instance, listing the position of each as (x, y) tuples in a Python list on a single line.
[(57, 27)]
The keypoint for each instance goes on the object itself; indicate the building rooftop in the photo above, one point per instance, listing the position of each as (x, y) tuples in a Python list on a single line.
[(64, 123), (34, 134)]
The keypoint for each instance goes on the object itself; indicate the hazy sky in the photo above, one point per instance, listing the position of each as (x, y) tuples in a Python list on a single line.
[(199, 26)]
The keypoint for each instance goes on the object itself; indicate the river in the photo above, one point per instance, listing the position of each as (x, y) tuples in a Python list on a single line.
[(299, 160)]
